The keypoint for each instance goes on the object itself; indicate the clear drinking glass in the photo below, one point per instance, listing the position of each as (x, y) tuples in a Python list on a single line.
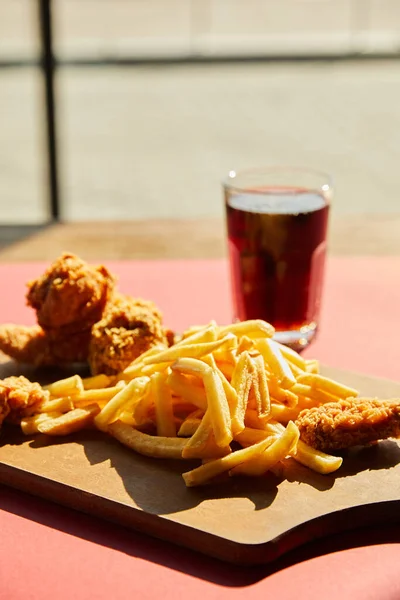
[(277, 226)]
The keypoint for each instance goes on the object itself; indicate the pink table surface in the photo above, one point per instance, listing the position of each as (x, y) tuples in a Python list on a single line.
[(47, 551)]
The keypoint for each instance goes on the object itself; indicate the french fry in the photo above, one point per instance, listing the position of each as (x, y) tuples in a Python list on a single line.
[(212, 469), (65, 387), (134, 389), (97, 382), (217, 402), (226, 369), (126, 417), (328, 385), (283, 413), (190, 351), (69, 422), (253, 419), (252, 329), (316, 460), (163, 403), (310, 457), (190, 424), (312, 366), (60, 405), (318, 395), (250, 436), (230, 392), (182, 386), (218, 407), (29, 425), (148, 445), (264, 405), (245, 344), (286, 397), (273, 357), (205, 335), (242, 380), (142, 409), (202, 444), (292, 356), (295, 370), (273, 454), (136, 366), (155, 368), (99, 396)]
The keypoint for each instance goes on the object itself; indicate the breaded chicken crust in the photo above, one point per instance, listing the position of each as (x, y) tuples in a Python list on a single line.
[(350, 422), (129, 327), (18, 397), (70, 295)]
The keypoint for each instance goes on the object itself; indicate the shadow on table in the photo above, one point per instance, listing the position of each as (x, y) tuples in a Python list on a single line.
[(181, 559)]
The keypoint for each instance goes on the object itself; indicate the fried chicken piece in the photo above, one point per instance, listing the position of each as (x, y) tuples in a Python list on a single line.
[(129, 327), (350, 422), (70, 296), (25, 344), (19, 396), (32, 345)]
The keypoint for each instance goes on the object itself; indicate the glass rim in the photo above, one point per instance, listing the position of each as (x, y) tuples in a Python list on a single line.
[(228, 184)]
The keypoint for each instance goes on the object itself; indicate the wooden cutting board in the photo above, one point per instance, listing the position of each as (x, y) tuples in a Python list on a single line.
[(244, 521)]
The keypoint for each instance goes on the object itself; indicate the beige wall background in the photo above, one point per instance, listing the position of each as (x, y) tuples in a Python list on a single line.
[(155, 141)]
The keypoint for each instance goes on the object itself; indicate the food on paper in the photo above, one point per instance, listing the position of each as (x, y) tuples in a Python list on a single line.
[(228, 396), (182, 402), (82, 317)]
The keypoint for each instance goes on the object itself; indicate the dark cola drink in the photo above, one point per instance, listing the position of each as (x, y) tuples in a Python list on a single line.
[(277, 247)]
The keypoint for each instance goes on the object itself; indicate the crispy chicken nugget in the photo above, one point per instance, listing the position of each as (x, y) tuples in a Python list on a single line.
[(70, 295), (129, 327), (350, 422)]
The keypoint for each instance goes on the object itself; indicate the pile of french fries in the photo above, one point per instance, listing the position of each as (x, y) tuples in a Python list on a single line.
[(227, 396)]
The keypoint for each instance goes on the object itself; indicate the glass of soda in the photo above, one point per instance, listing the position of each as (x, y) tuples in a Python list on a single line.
[(277, 228)]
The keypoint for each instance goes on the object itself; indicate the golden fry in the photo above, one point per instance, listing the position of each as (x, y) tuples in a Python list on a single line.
[(250, 436), (252, 329), (261, 384), (217, 402), (242, 380), (148, 445), (189, 351), (99, 396), (182, 386), (292, 356), (69, 422), (29, 425), (208, 471), (277, 364), (134, 390), (205, 335), (136, 366), (277, 451), (65, 387), (318, 395), (328, 385), (312, 366), (279, 394), (190, 425), (316, 460), (60, 405), (163, 403), (97, 382), (202, 444)]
